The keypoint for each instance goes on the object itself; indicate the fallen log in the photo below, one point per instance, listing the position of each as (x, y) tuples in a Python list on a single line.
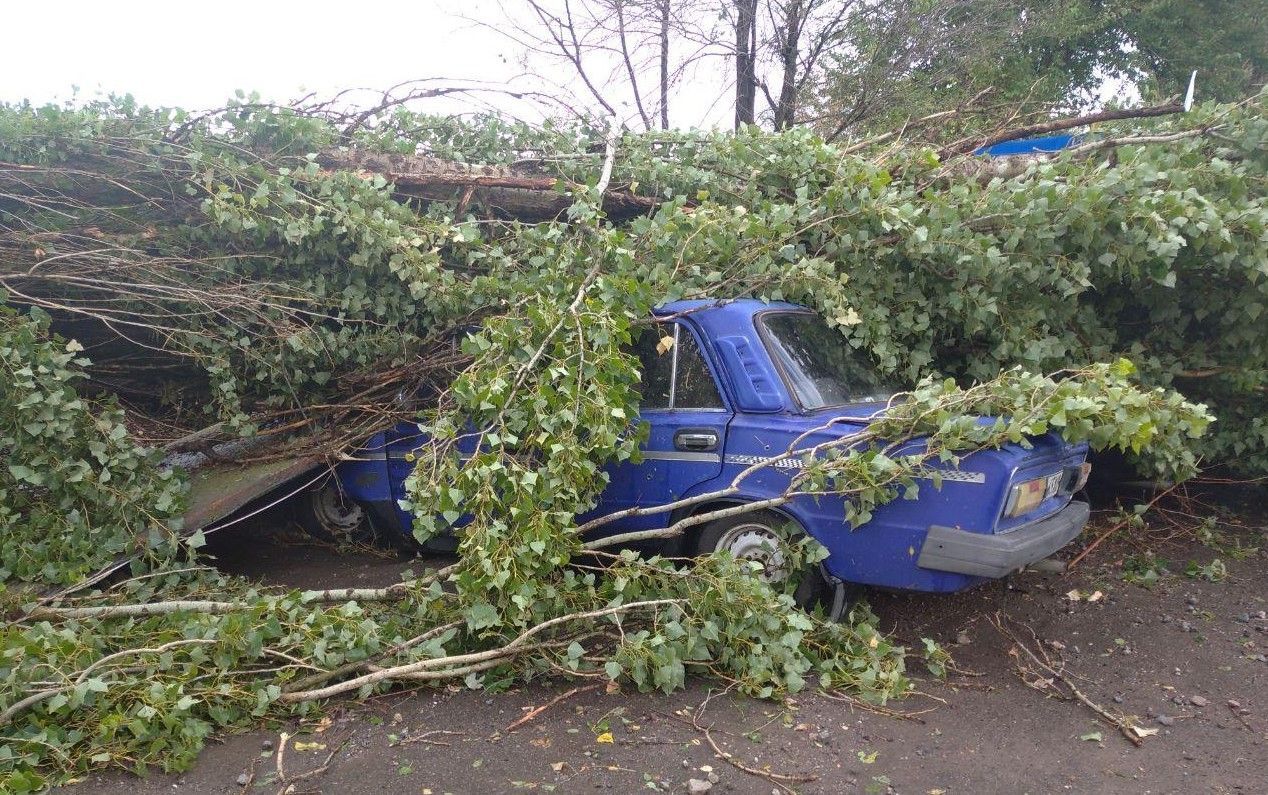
[(505, 192)]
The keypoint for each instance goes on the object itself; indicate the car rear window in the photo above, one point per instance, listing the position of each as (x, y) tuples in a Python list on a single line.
[(818, 365)]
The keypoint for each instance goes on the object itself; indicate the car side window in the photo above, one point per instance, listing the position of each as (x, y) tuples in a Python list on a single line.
[(694, 387), (674, 371), (657, 366)]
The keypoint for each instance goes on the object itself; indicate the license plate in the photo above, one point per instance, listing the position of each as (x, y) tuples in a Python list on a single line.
[(1054, 485)]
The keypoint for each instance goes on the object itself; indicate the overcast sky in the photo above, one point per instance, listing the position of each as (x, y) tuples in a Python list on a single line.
[(196, 55)]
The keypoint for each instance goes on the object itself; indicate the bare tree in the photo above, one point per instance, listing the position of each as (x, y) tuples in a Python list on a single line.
[(630, 57), (664, 63), (802, 32), (624, 53)]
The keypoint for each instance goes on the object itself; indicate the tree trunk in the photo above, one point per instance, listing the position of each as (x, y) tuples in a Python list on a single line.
[(789, 49), (664, 64), (745, 62)]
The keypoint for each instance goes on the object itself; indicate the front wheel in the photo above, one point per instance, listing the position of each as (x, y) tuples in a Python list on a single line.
[(757, 537), (327, 514)]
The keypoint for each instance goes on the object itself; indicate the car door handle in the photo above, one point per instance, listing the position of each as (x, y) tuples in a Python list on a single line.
[(696, 439)]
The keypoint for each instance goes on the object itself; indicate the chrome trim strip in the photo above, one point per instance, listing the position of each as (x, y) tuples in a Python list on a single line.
[(948, 475), (953, 475), (672, 455), (673, 369), (750, 460)]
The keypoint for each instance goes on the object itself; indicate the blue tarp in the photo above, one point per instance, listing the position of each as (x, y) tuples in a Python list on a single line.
[(1030, 146)]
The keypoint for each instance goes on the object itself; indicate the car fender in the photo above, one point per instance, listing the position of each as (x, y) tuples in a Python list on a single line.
[(678, 546)]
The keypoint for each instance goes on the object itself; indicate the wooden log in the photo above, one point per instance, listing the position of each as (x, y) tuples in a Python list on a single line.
[(505, 191)]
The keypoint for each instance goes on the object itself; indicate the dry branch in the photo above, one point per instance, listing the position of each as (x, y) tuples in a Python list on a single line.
[(1054, 673), (423, 737), (782, 781), (1059, 125), (1100, 539), (532, 714)]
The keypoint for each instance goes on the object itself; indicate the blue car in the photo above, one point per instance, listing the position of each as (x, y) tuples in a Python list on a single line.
[(741, 382)]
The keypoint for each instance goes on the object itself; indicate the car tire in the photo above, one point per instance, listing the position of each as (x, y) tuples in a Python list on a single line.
[(327, 514), (756, 537)]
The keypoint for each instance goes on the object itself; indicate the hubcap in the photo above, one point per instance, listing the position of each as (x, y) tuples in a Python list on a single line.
[(337, 514), (758, 543)]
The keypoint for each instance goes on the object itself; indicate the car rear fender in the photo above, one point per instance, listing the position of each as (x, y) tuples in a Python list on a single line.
[(679, 544)]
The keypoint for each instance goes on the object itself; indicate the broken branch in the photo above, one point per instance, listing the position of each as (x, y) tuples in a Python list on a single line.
[(1125, 728), (532, 714)]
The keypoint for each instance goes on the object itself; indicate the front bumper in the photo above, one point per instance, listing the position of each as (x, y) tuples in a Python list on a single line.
[(983, 555)]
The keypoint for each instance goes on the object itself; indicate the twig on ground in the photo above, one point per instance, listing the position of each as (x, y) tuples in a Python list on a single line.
[(1052, 674), (423, 737), (317, 771), (532, 714), (282, 739), (1236, 709), (250, 777), (969, 685), (1114, 529), (780, 780), (929, 696), (954, 668), (878, 709)]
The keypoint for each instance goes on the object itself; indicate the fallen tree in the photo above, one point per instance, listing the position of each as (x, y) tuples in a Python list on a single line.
[(227, 276), (266, 269)]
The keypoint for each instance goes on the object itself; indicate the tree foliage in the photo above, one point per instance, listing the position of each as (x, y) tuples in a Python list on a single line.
[(1225, 41), (76, 491), (219, 273), (903, 60), (906, 59)]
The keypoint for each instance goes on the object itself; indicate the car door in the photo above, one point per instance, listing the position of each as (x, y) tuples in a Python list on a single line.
[(687, 417)]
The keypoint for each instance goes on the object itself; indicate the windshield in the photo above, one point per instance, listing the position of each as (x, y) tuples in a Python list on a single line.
[(818, 365)]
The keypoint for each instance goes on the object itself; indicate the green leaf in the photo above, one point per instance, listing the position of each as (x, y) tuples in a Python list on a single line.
[(482, 615)]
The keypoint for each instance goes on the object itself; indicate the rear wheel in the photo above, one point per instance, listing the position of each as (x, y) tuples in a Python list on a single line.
[(757, 537), (327, 514)]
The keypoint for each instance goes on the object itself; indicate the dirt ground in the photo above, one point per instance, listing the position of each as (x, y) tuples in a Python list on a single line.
[(1185, 658)]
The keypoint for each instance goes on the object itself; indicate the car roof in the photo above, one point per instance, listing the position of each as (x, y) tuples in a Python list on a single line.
[(745, 307)]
